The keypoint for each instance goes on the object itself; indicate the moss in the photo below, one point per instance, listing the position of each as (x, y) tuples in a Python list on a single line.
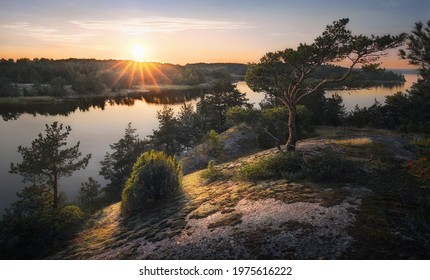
[(334, 197), (204, 211), (230, 219)]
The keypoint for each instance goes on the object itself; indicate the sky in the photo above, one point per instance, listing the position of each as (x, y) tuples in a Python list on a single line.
[(188, 31)]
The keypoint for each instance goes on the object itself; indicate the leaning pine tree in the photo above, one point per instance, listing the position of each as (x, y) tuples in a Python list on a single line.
[(289, 76)]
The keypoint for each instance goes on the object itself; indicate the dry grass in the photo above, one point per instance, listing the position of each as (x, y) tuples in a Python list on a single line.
[(355, 142)]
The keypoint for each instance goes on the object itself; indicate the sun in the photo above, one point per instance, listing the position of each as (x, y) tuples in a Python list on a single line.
[(138, 53)]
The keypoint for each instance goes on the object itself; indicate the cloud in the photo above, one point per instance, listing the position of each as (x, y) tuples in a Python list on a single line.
[(28, 28), (45, 33), (137, 26)]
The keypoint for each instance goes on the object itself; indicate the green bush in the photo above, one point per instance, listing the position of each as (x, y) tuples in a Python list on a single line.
[(69, 216), (282, 164), (155, 176), (326, 166), (213, 144), (89, 198), (329, 166), (212, 173)]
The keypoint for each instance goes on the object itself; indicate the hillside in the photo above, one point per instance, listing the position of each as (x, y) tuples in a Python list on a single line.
[(234, 218)]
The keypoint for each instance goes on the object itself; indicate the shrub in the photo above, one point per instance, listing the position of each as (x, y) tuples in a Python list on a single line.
[(89, 195), (155, 176), (213, 145), (212, 173), (283, 164), (69, 216), (326, 166), (329, 166)]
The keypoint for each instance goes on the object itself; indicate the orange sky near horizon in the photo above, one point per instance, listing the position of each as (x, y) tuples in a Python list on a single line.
[(392, 61), (187, 31)]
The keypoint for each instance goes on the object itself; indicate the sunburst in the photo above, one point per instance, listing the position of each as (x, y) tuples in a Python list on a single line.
[(138, 73), (138, 53)]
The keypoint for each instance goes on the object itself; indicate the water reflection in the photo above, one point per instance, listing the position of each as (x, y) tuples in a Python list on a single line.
[(65, 107), (98, 122), (367, 96)]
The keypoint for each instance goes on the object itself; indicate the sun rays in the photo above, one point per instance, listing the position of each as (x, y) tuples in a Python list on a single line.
[(131, 73)]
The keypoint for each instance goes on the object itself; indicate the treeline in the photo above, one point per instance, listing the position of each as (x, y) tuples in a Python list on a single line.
[(406, 112), (56, 77), (64, 107), (49, 77), (368, 75)]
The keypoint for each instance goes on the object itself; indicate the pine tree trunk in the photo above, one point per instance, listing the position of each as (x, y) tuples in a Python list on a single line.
[(292, 132)]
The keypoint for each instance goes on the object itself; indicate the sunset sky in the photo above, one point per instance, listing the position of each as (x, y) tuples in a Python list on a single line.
[(189, 31)]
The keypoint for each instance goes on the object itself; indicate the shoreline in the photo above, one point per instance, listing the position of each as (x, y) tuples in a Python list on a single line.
[(72, 95)]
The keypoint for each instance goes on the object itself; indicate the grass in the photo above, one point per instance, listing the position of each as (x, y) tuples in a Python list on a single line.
[(355, 142), (212, 173), (273, 167), (346, 131), (327, 166)]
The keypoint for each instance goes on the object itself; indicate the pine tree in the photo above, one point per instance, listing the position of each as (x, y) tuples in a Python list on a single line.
[(47, 160)]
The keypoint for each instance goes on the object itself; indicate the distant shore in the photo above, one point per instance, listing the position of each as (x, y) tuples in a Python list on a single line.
[(107, 93)]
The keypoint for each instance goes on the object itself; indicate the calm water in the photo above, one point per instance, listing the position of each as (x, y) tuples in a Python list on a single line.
[(96, 123), (366, 97)]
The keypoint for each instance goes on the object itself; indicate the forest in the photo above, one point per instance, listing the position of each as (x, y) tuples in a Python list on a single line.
[(48, 77)]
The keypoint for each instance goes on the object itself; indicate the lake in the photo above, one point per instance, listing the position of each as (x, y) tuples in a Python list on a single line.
[(98, 122), (366, 97)]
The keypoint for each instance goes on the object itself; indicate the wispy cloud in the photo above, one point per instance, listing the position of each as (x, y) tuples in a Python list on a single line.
[(136, 26), (26, 27), (44, 33)]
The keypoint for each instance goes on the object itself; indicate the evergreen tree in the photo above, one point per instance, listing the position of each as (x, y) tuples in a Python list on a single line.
[(188, 126), (214, 105), (117, 166), (47, 160), (89, 195), (166, 137)]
